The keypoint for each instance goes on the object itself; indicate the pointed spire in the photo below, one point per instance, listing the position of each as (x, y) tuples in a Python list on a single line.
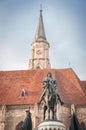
[(40, 32)]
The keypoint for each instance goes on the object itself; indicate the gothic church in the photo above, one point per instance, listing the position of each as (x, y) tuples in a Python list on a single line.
[(21, 89)]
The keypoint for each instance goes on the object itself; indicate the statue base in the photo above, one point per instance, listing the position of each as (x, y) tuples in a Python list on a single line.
[(51, 125)]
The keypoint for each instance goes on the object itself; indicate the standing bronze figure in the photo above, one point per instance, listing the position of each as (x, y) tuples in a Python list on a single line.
[(50, 97), (27, 125)]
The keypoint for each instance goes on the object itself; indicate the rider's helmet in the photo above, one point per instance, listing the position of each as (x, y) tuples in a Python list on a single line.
[(49, 75)]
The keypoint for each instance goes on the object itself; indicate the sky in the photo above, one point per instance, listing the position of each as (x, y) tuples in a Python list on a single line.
[(65, 28)]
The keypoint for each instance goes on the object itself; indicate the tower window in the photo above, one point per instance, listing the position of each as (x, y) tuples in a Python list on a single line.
[(38, 67)]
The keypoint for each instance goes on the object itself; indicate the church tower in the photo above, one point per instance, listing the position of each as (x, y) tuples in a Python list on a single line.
[(40, 48)]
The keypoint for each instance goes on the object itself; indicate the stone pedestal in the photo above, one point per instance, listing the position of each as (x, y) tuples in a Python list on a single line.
[(51, 125)]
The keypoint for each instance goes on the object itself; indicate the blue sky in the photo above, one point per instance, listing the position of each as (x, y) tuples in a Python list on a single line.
[(65, 28)]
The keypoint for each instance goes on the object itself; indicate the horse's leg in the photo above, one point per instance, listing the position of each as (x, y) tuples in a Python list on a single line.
[(44, 112), (55, 117), (53, 114), (48, 113), (55, 110)]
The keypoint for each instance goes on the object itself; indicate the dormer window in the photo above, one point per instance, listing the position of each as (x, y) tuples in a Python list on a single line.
[(23, 93)]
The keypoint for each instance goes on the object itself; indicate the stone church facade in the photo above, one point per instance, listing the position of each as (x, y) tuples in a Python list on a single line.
[(21, 89)]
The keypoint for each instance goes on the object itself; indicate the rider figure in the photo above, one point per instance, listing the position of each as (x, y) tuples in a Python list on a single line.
[(50, 80)]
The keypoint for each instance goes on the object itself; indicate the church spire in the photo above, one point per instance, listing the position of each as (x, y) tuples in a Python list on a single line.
[(40, 32), (40, 48)]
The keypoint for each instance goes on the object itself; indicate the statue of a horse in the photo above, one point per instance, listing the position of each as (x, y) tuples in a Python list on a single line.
[(50, 97), (50, 102)]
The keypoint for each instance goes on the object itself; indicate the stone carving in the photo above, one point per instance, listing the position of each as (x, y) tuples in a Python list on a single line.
[(50, 97), (27, 125)]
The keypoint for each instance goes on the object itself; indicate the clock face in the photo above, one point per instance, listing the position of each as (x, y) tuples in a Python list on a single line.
[(38, 52)]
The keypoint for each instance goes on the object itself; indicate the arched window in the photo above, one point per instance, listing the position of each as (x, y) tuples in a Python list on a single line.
[(38, 67), (19, 125)]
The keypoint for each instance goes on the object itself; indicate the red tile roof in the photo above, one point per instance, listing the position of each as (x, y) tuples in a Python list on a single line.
[(83, 83), (12, 82)]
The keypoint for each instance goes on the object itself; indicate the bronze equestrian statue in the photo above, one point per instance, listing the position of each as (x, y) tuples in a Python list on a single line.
[(50, 97), (27, 125)]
